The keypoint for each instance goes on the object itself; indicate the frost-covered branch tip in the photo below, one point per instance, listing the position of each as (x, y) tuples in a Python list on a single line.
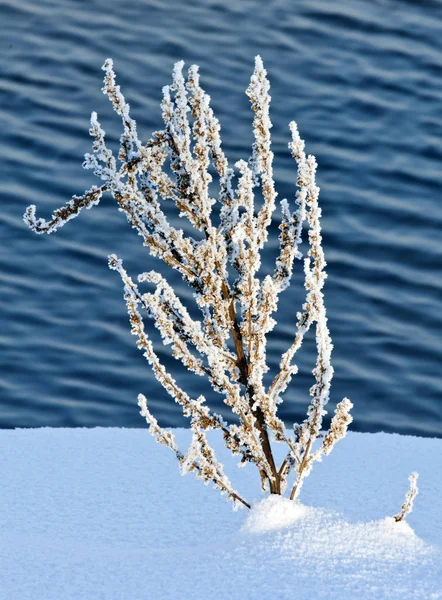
[(221, 264), (407, 506)]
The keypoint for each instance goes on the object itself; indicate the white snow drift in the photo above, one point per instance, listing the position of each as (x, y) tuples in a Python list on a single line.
[(101, 513)]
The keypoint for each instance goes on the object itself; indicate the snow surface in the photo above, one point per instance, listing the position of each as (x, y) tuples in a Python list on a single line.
[(103, 514)]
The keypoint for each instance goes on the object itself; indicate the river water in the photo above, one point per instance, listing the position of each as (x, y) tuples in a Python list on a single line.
[(363, 79)]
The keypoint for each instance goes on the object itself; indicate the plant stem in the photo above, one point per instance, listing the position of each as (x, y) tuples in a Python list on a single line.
[(301, 469), (274, 481)]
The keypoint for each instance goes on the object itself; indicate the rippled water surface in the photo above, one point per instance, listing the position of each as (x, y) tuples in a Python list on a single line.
[(364, 82)]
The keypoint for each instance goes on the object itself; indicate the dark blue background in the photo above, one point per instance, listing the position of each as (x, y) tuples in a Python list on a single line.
[(363, 79)]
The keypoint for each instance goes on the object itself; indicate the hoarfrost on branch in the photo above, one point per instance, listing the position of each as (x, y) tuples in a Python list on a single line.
[(228, 345)]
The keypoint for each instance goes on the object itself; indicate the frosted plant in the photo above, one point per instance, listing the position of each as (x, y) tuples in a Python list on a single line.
[(228, 344), (407, 506)]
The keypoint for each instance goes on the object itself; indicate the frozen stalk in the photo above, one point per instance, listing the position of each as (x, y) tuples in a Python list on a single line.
[(222, 266), (407, 506)]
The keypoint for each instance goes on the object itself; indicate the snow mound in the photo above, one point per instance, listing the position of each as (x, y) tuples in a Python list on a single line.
[(102, 513), (273, 512)]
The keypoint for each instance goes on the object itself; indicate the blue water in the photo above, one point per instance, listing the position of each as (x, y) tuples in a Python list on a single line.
[(363, 79)]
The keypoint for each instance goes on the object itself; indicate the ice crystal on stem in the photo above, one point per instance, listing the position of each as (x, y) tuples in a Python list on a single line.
[(228, 344), (407, 506)]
